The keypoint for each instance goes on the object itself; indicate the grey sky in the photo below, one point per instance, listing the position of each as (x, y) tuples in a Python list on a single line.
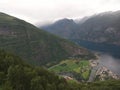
[(49, 10)]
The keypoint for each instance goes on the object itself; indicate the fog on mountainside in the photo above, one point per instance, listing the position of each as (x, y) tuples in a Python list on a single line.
[(100, 28)]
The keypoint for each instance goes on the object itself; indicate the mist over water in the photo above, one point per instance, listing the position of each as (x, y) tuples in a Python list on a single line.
[(110, 62)]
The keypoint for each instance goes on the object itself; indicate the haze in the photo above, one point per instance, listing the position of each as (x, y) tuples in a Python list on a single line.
[(44, 11)]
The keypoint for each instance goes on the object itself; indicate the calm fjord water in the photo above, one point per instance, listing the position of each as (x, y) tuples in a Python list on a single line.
[(109, 54)]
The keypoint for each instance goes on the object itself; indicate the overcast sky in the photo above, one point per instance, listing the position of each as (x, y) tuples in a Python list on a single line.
[(43, 11)]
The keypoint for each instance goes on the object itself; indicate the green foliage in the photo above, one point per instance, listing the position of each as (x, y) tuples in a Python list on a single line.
[(18, 75), (35, 83), (80, 67), (7, 86), (2, 77)]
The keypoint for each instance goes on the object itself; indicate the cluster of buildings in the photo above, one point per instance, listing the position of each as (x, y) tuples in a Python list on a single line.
[(104, 73)]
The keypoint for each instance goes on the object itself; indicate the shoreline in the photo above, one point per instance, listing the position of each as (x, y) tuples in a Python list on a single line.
[(97, 66)]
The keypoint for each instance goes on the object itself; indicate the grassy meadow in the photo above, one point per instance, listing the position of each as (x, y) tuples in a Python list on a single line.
[(80, 67)]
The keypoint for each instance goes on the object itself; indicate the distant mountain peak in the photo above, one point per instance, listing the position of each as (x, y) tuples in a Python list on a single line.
[(91, 28), (64, 21)]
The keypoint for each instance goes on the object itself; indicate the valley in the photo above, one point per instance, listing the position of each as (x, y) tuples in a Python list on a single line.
[(74, 68), (99, 33), (109, 55), (59, 44), (88, 70)]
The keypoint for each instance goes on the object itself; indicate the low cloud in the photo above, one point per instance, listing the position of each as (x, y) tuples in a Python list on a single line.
[(50, 10)]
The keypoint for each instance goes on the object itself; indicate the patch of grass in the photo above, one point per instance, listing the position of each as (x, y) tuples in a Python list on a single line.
[(72, 81), (80, 67), (86, 74), (77, 69)]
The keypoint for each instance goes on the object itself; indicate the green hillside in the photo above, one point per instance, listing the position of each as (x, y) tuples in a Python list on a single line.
[(18, 75), (35, 45)]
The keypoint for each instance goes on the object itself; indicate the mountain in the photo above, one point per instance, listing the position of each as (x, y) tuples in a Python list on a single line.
[(64, 27), (33, 44), (100, 28)]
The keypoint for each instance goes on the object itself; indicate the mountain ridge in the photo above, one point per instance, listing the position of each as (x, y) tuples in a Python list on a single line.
[(100, 28), (33, 44)]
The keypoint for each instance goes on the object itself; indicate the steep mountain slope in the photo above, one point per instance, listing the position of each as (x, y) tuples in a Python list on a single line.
[(100, 28), (64, 27), (33, 44)]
